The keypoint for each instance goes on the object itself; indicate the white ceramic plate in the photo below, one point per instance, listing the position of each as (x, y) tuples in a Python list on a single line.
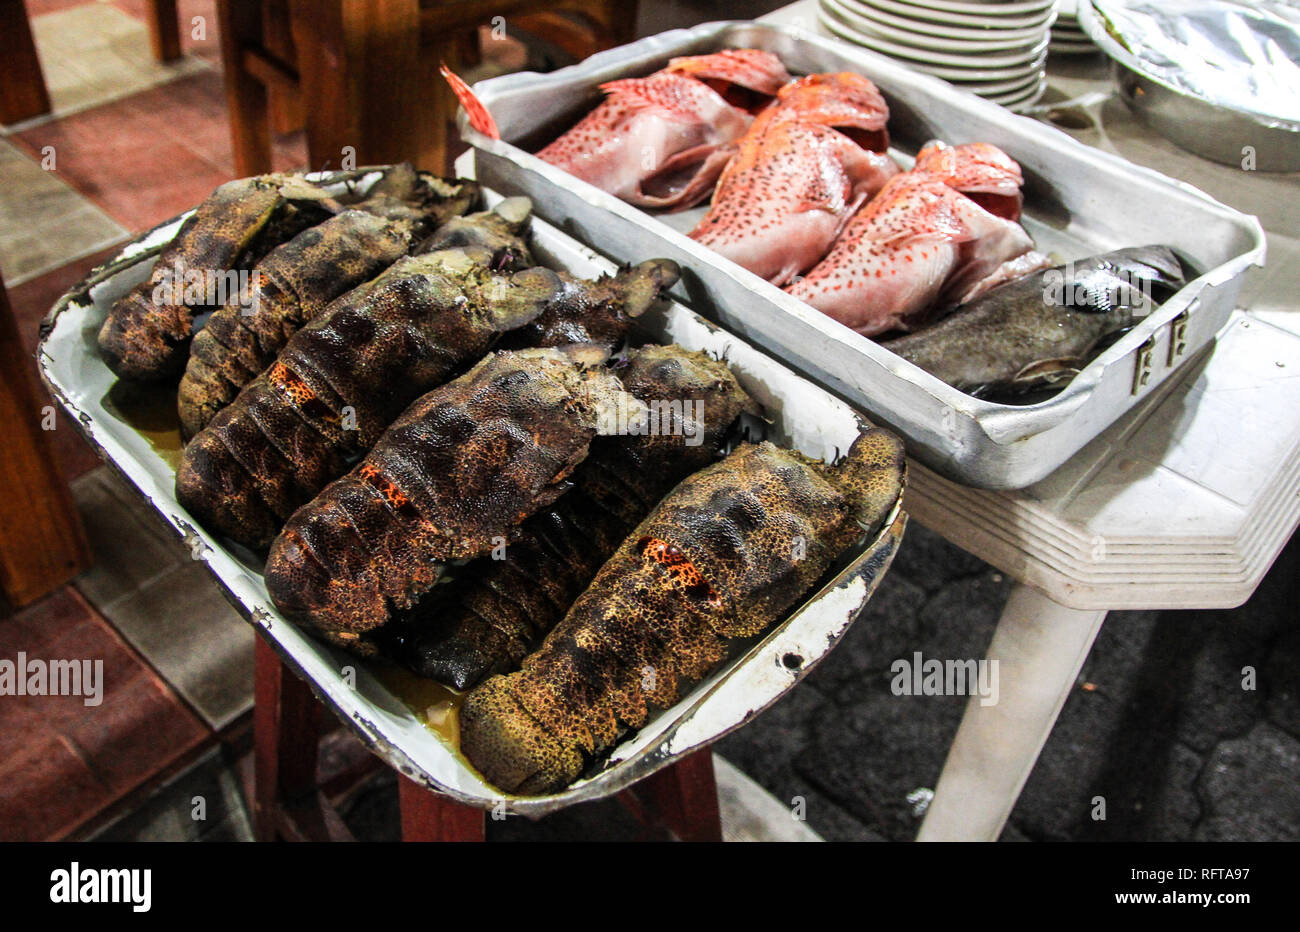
[(839, 21), (909, 10), (938, 43), (1017, 99), (920, 29), (1000, 87), (1026, 8), (965, 75), (1072, 48)]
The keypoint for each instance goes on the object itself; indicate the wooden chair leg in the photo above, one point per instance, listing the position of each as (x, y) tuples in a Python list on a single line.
[(684, 798), (286, 735), (284, 101), (22, 85), (240, 26), (618, 17), (164, 30), (429, 816), (375, 92), (42, 545)]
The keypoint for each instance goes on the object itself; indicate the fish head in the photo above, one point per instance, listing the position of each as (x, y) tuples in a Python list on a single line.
[(745, 78), (981, 171)]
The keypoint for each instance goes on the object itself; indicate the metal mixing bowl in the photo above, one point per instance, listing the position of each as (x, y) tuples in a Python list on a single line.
[(1213, 131)]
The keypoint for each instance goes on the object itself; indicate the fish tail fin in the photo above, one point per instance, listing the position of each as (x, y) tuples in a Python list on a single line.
[(479, 118), (1165, 267)]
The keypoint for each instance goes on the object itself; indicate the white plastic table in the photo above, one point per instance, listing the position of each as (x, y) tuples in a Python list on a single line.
[(1184, 503)]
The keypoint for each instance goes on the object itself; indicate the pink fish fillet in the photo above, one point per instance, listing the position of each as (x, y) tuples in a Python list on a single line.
[(786, 197), (922, 243), (662, 141), (800, 172)]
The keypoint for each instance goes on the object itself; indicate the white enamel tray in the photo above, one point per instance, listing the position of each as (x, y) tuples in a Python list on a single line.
[(802, 416)]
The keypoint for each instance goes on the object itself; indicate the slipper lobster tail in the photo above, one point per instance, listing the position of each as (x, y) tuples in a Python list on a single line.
[(498, 609), (725, 556), (453, 476)]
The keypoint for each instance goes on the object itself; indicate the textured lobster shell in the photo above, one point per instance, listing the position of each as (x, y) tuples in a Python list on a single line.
[(723, 556), (499, 608), (455, 474), (341, 381)]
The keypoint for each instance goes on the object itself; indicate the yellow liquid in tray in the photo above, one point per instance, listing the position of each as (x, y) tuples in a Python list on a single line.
[(436, 706), (150, 410)]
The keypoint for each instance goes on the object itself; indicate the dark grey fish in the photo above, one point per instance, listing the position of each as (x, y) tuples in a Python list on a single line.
[(1039, 331)]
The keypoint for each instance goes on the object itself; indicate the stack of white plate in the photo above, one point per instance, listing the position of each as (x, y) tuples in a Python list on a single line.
[(1068, 37), (996, 48)]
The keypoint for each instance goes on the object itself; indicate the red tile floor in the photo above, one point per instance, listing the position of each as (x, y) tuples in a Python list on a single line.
[(139, 159), (62, 762)]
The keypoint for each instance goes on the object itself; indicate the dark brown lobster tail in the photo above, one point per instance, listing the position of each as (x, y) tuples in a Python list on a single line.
[(342, 380), (498, 608), (727, 554), (453, 476), (292, 285), (601, 312), (146, 335)]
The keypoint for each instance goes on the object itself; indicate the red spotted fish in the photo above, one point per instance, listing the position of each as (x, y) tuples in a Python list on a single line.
[(661, 141), (805, 166), (935, 236)]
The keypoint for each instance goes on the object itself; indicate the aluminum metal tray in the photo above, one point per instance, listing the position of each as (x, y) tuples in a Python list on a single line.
[(1079, 202), (802, 416)]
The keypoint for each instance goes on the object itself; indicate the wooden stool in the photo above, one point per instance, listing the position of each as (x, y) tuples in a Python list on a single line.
[(42, 544), (288, 804), (369, 69)]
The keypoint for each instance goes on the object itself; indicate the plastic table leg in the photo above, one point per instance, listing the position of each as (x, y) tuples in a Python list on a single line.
[(1040, 646)]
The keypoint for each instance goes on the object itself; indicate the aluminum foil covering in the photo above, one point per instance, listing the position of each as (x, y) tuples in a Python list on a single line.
[(1244, 56)]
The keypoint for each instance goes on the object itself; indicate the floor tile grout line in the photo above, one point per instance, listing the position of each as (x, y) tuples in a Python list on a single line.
[(25, 147), (175, 766), (215, 747), (27, 150), (23, 150), (136, 653), (211, 722), (77, 257), (45, 119)]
